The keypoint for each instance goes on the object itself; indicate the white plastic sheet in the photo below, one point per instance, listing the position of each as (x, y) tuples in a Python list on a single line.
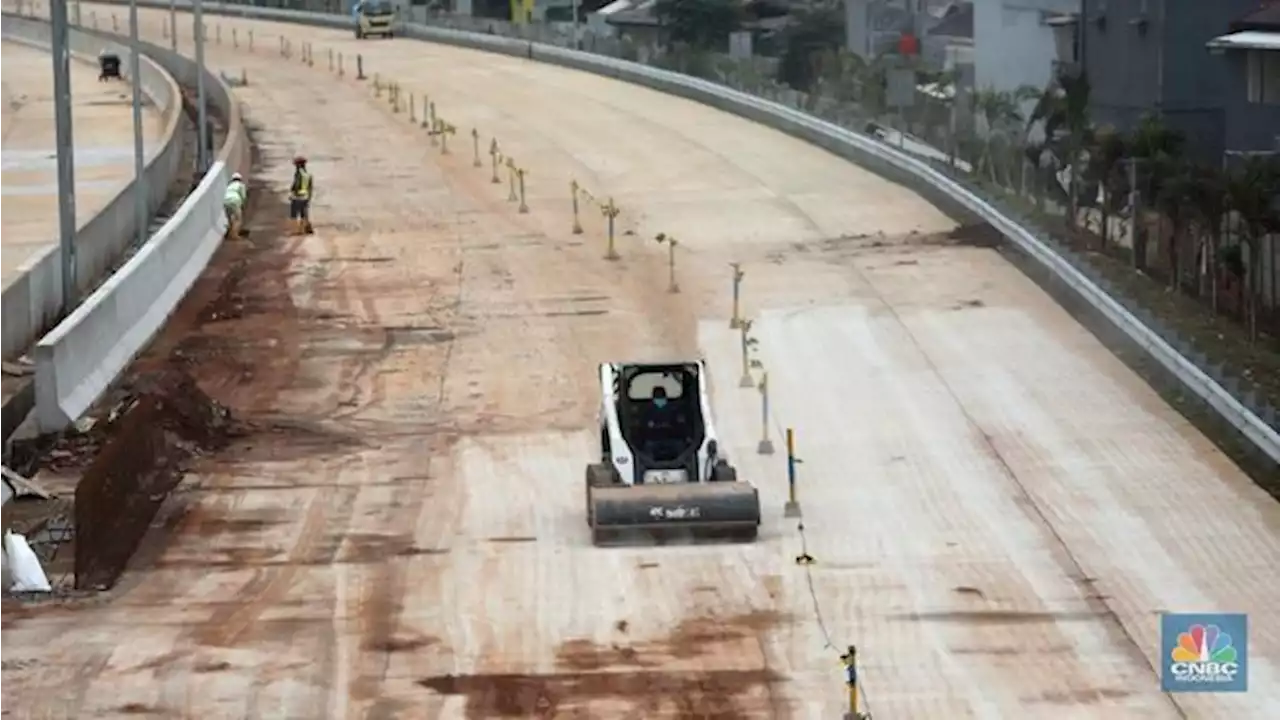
[(23, 566)]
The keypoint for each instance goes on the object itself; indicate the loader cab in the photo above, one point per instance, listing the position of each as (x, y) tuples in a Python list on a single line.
[(662, 435), (374, 17)]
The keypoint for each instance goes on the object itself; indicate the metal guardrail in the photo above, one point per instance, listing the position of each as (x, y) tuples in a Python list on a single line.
[(921, 175)]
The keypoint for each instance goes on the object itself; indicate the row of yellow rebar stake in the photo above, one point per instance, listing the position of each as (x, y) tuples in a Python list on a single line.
[(791, 509), (440, 130)]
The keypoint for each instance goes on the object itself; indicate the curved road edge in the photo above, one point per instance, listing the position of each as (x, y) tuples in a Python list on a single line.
[(1075, 277), (80, 357), (34, 298)]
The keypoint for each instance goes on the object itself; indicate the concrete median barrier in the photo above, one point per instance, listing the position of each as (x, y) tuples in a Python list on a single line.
[(79, 358), (33, 300), (920, 176)]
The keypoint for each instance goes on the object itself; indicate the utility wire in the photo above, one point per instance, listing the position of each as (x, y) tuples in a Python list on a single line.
[(805, 560)]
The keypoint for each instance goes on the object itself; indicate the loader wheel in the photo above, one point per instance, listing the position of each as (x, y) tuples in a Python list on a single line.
[(723, 472), (598, 475)]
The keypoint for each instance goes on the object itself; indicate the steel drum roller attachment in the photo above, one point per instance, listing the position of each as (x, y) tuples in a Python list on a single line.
[(709, 506)]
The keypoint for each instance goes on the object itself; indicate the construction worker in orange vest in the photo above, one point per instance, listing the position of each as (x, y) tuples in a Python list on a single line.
[(300, 193)]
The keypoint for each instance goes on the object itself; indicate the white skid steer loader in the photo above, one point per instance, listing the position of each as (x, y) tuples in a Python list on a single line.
[(660, 467)]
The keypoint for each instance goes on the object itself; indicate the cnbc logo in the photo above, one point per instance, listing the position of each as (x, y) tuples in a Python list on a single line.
[(1204, 652)]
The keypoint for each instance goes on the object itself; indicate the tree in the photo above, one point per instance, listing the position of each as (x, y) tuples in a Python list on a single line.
[(1157, 149), (814, 32), (1063, 108), (1208, 208), (1253, 191), (1108, 171), (701, 24), (1173, 200), (1001, 112)]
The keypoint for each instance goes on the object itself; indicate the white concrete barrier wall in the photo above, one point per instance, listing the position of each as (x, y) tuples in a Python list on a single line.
[(32, 301), (858, 148), (83, 355), (80, 358)]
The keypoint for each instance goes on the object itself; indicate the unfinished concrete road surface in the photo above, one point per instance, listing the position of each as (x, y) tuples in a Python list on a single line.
[(102, 121), (998, 508)]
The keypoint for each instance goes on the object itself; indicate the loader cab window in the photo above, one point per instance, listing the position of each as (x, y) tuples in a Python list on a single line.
[(664, 432), (642, 386), (375, 9)]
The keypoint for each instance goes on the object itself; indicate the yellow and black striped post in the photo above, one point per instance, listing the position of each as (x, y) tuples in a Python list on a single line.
[(792, 508)]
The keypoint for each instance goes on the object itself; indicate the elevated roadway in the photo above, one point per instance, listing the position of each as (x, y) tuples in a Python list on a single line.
[(102, 122), (998, 507)]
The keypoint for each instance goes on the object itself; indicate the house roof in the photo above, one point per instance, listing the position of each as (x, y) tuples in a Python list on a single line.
[(1246, 40), (630, 12), (958, 22), (1266, 18)]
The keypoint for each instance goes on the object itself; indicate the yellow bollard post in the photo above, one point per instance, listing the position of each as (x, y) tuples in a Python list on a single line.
[(610, 211), (511, 174), (377, 86), (850, 662), (765, 446), (250, 41), (413, 118), (311, 55), (235, 38), (426, 108), (359, 66), (395, 98), (330, 59), (217, 34), (671, 243), (744, 330), (792, 508), (496, 156), (475, 147), (341, 70), (577, 223), (434, 117), (524, 208), (738, 274)]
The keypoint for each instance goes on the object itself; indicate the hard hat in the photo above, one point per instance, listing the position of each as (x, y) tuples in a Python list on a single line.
[(236, 176), (299, 160)]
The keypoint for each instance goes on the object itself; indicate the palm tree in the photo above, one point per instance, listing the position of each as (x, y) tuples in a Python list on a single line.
[(1001, 112)]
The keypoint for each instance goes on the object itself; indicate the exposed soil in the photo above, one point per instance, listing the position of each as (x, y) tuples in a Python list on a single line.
[(60, 458), (630, 673), (230, 346)]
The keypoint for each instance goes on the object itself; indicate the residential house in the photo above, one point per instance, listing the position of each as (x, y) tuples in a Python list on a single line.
[(948, 44), (1149, 57), (1014, 41), (1251, 94)]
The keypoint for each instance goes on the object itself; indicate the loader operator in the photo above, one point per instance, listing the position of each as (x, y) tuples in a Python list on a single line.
[(666, 424), (300, 197)]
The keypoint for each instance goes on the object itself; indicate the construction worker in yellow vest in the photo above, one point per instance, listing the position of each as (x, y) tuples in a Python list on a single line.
[(233, 202), (300, 193)]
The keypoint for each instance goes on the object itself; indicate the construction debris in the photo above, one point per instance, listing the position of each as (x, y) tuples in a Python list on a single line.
[(22, 571)]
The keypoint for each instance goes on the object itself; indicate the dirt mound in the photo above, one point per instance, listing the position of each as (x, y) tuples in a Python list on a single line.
[(165, 421)]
